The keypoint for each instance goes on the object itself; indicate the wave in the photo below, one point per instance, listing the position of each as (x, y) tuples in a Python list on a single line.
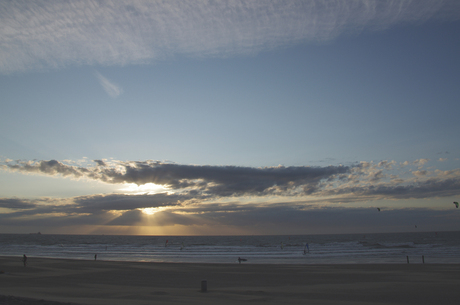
[(349, 248)]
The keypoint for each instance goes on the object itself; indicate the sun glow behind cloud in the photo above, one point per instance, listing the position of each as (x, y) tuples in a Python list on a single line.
[(151, 211), (148, 188)]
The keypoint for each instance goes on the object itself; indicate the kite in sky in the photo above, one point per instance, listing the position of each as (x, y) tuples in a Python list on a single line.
[(456, 204)]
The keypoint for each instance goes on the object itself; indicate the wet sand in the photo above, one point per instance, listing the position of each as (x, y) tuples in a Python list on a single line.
[(104, 282)]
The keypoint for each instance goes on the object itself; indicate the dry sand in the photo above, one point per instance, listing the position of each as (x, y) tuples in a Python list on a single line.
[(104, 282)]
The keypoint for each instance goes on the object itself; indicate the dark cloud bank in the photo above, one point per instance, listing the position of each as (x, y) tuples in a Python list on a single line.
[(204, 179), (275, 219), (196, 192)]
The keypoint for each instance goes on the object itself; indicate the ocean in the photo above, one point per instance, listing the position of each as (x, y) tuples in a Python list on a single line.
[(420, 247)]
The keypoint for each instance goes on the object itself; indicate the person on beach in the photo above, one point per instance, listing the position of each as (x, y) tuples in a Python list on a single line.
[(306, 249), (241, 260), (95, 256), (24, 260)]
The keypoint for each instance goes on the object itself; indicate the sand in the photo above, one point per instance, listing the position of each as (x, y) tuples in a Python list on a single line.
[(105, 282)]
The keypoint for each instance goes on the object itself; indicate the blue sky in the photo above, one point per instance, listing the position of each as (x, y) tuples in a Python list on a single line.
[(229, 117)]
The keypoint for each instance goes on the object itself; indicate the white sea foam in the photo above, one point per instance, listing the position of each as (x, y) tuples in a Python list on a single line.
[(441, 247)]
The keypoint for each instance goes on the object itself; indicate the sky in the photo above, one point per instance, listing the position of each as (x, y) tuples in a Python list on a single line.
[(229, 117)]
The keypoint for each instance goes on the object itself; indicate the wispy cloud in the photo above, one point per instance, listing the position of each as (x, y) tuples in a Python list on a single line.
[(42, 34), (109, 87)]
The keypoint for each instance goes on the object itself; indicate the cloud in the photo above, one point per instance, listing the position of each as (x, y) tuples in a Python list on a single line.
[(43, 35), (420, 173), (265, 200), (361, 182), (51, 167), (421, 162), (285, 218), (204, 180), (279, 218), (113, 202), (434, 187), (15, 203), (109, 87)]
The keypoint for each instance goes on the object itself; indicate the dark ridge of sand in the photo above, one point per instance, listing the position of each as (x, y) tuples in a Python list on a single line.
[(113, 283)]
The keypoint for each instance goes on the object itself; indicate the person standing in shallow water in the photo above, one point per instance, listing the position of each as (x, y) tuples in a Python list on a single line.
[(24, 260)]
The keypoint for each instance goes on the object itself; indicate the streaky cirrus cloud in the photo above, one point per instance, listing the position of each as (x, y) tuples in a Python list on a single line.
[(112, 89), (54, 34)]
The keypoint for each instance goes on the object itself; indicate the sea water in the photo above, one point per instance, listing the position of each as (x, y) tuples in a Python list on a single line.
[(434, 247)]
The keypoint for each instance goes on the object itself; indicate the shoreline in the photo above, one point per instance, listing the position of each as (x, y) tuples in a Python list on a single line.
[(414, 259), (120, 282)]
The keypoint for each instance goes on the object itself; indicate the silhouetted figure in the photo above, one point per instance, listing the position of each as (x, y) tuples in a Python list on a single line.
[(24, 260), (306, 249), (95, 256), (241, 260)]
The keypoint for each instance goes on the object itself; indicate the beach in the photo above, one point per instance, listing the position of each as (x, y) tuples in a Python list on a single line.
[(111, 282)]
